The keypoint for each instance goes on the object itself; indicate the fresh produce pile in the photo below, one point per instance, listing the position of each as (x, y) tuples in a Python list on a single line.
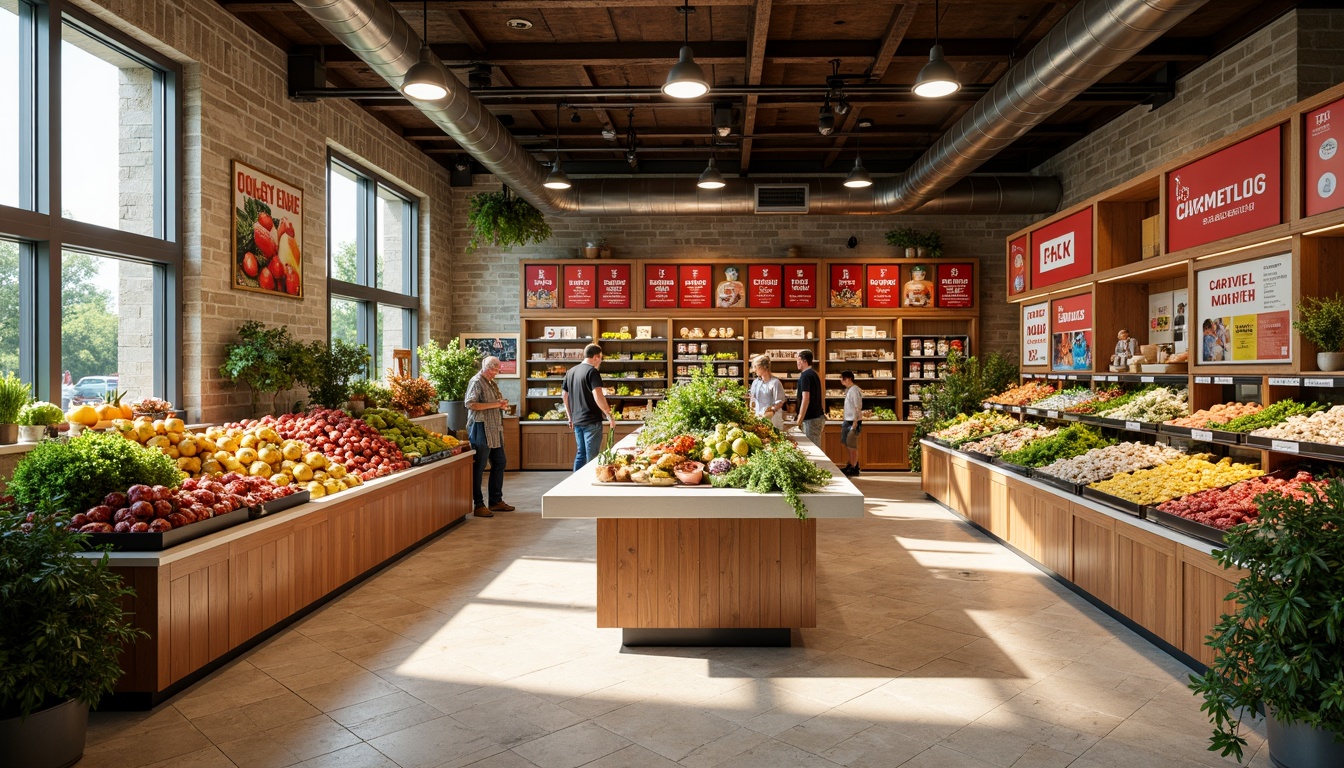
[(193, 453), (1073, 440), (159, 509), (80, 472), (1100, 399), (1216, 416), (780, 468), (1276, 413), (1022, 394), (1223, 508), (1101, 463), (259, 451), (1101, 407), (1155, 405), (1007, 442), (1178, 477), (339, 436), (1318, 427), (1065, 399), (964, 428), (883, 414), (413, 440)]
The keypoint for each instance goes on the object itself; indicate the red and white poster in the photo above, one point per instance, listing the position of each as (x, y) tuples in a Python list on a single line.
[(1232, 192), (697, 286), (541, 286), (1017, 266), (800, 286), (1063, 250), (613, 286), (580, 288), (1071, 333), (660, 286), (1324, 161), (846, 286), (955, 289), (1245, 312), (1036, 334), (884, 286), (764, 286)]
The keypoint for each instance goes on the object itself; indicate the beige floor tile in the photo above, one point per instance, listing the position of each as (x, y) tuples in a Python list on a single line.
[(355, 756), (988, 744), (824, 731), (939, 756), (509, 759), (723, 748), (878, 746), (434, 743), (140, 748), (665, 727), (210, 757), (633, 756), (1038, 756), (391, 722), (367, 710), (572, 747), (776, 754), (314, 736)]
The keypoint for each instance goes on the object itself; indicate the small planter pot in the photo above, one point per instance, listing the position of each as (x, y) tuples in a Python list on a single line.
[(1330, 361), (921, 252), (9, 434), (50, 738), (31, 434), (591, 253), (356, 406), (456, 411), (1301, 746), (909, 252)]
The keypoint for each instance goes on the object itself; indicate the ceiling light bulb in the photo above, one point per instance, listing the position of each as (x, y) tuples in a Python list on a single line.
[(723, 131), (686, 80), (937, 78), (425, 80), (826, 121), (710, 178), (608, 131), (858, 177), (557, 179), (842, 107)]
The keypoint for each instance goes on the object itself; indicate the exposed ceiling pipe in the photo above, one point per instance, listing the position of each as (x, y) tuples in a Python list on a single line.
[(1088, 43)]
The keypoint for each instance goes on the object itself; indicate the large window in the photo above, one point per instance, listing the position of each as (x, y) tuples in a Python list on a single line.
[(90, 254), (371, 230)]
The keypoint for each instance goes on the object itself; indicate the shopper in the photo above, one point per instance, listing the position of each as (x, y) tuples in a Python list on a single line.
[(586, 405), (811, 415), (485, 429), (853, 422), (767, 393)]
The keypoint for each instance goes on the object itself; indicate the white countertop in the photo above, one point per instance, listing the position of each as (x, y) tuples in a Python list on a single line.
[(581, 496)]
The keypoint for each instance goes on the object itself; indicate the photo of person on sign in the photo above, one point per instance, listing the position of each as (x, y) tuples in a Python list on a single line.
[(731, 292)]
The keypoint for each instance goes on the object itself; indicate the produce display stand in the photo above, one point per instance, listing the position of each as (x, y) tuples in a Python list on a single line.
[(157, 542), (712, 566), (204, 602), (1185, 525)]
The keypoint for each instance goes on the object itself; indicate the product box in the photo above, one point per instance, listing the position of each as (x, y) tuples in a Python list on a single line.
[(1152, 245), (783, 332)]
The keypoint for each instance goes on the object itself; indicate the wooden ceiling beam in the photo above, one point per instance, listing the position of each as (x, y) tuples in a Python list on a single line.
[(693, 133), (891, 42), (281, 6), (756, 49)]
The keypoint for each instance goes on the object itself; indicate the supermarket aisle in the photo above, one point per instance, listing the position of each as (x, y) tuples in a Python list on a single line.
[(935, 647)]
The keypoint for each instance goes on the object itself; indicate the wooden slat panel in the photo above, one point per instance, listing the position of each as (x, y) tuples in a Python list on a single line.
[(219, 609), (1203, 604), (790, 560), (688, 574), (807, 573), (198, 590), (771, 580), (1148, 582), (627, 573), (1094, 554), (608, 565), (729, 614), (709, 573), (179, 627), (667, 575), (648, 567), (749, 574)]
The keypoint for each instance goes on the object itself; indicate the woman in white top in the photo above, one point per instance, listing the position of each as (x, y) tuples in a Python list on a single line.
[(767, 393)]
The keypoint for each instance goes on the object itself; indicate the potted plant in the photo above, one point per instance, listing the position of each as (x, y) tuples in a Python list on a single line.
[(412, 394), (61, 641), (37, 418), (930, 245), (449, 369), (267, 360), (502, 220), (906, 239), (333, 370), (1282, 647), (1321, 322), (14, 394)]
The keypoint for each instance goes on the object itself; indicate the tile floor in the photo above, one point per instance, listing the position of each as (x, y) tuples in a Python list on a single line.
[(936, 648)]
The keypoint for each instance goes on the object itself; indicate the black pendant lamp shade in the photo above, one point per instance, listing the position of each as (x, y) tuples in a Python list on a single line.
[(937, 78), (557, 179), (686, 80), (426, 80), (858, 177)]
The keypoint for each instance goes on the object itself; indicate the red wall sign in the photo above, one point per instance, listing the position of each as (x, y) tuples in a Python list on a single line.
[(697, 286), (1071, 314), (846, 286), (580, 289), (764, 285), (613, 286), (955, 290), (1017, 266), (884, 285), (1325, 163), (1071, 333), (800, 286), (1063, 250), (1232, 192), (660, 286), (541, 285)]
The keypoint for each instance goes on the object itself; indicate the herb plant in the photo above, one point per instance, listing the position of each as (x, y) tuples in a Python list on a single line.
[(375, 395), (1321, 321), (698, 406), (333, 369), (502, 220), (1284, 647), (449, 368), (266, 360), (780, 468), (1267, 417), (14, 394), (904, 237), (1073, 440), (84, 469), (40, 414)]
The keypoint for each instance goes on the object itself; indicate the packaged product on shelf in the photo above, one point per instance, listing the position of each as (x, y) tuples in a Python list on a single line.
[(916, 371), (930, 370), (930, 347), (915, 346), (942, 347)]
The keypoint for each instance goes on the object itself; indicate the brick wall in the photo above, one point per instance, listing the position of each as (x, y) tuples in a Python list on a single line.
[(235, 107)]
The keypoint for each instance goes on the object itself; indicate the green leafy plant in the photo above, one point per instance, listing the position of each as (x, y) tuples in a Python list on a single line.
[(64, 627), (84, 469), (1073, 440), (333, 371), (904, 237), (698, 406), (502, 220), (1275, 413), (1284, 647), (932, 242), (449, 368), (780, 468), (961, 391), (14, 394), (266, 360), (375, 395), (1321, 321), (40, 414)]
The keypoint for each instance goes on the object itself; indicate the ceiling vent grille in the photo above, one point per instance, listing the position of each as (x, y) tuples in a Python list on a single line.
[(781, 198)]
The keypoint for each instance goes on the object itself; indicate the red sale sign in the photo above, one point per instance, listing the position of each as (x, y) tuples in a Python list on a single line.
[(580, 287), (660, 286), (540, 286), (1232, 192), (1071, 314), (1017, 266), (764, 285), (1062, 250), (697, 286), (800, 286), (955, 290), (846, 286), (884, 286), (613, 286), (1321, 134)]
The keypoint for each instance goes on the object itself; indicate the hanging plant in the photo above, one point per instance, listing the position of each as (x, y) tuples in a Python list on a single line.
[(503, 220)]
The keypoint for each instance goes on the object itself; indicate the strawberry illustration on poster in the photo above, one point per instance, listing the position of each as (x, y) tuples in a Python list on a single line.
[(268, 233)]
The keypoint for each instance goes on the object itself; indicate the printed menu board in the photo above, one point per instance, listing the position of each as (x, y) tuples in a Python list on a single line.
[(614, 286), (579, 287), (696, 286), (540, 283), (764, 286), (800, 286), (955, 290), (1071, 333), (1324, 161), (1036, 334), (1245, 312), (1017, 266), (846, 286), (884, 286), (660, 286), (1062, 250), (1231, 192)]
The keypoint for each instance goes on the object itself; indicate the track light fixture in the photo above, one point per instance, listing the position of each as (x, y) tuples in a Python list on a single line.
[(835, 85), (426, 80), (722, 117), (574, 117), (609, 132), (826, 119), (937, 78), (557, 179), (686, 80), (858, 177)]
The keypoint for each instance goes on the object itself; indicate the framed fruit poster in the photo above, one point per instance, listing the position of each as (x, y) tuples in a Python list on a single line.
[(268, 233)]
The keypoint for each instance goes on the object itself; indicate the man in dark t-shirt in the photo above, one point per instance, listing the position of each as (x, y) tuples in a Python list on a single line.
[(811, 413), (586, 405)]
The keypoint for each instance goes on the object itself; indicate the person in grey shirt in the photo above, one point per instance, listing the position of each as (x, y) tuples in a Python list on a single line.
[(853, 422), (767, 393), (485, 428)]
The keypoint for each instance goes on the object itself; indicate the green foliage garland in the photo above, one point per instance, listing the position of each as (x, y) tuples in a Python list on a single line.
[(503, 220), (1321, 321), (84, 469)]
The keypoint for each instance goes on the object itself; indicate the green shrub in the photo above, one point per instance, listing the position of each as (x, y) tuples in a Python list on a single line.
[(81, 471)]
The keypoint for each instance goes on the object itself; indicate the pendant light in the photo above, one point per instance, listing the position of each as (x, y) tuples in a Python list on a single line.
[(858, 177), (557, 179), (426, 80), (710, 178), (686, 80), (937, 78)]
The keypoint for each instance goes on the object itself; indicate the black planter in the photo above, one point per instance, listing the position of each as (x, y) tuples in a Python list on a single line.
[(1301, 746), (49, 738)]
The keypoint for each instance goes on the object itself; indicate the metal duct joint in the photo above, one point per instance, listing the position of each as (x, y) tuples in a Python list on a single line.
[(1093, 39)]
